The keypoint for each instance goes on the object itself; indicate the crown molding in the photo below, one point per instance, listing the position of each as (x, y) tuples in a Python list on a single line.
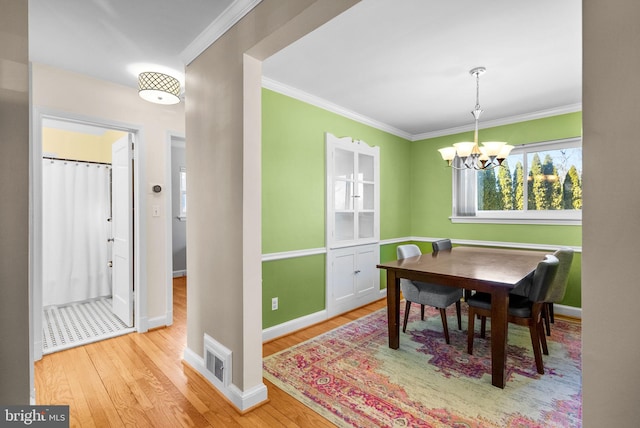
[(334, 108), (540, 114), (227, 19), (329, 106)]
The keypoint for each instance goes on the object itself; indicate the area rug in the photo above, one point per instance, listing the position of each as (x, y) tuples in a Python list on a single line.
[(351, 377)]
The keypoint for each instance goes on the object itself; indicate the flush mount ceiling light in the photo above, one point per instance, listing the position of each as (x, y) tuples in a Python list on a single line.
[(158, 88), (468, 155)]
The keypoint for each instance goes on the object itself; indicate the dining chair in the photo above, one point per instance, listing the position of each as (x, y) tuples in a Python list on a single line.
[(441, 245), (523, 310), (558, 286), (438, 296)]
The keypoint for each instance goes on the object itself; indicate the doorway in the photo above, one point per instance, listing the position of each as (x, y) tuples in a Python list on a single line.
[(176, 226), (178, 207), (84, 244)]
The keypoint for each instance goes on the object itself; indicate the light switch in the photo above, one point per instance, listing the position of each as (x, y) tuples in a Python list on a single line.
[(155, 210)]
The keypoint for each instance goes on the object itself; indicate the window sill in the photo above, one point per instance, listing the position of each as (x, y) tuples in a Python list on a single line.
[(512, 220)]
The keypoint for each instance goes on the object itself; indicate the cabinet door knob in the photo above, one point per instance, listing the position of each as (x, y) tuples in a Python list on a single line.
[(357, 272)]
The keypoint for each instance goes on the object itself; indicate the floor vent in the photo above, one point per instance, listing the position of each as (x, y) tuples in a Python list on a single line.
[(217, 361)]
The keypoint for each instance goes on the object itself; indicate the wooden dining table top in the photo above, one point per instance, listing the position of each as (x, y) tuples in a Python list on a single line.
[(469, 267)]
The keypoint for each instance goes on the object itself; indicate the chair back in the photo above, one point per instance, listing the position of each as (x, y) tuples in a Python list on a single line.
[(442, 244), (408, 250), (559, 284), (542, 278)]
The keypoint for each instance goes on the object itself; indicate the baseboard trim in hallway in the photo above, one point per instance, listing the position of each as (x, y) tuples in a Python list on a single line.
[(78, 324)]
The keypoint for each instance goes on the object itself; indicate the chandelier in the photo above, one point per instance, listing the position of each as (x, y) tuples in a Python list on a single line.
[(467, 154)]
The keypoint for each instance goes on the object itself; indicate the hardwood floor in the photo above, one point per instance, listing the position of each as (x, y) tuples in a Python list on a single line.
[(139, 380)]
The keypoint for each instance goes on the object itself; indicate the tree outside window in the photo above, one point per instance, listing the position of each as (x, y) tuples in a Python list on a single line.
[(553, 180)]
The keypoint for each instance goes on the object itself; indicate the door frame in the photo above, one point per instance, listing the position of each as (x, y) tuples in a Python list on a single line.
[(35, 226), (170, 139)]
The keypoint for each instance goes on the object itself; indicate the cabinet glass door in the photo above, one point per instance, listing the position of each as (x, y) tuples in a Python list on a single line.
[(343, 195), (365, 196), (352, 192)]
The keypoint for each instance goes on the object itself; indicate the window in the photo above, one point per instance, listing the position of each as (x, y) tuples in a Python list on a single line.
[(183, 193), (537, 183)]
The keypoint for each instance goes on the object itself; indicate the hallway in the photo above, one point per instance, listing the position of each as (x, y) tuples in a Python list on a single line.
[(140, 380)]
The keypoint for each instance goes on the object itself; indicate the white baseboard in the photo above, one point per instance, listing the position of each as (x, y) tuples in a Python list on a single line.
[(243, 400), (293, 325), (179, 273), (302, 322), (160, 321), (568, 311), (309, 320), (37, 350)]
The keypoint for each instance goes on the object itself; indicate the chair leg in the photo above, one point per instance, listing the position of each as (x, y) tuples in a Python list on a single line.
[(551, 312), (535, 343), (445, 327), (546, 313), (483, 327), (470, 332), (543, 339), (459, 314), (406, 316), (422, 312)]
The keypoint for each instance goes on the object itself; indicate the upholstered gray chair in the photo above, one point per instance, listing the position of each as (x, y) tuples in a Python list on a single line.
[(438, 296), (526, 311), (559, 284), (441, 245)]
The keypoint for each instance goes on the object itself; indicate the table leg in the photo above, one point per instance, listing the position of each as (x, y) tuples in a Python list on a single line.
[(393, 309), (499, 331)]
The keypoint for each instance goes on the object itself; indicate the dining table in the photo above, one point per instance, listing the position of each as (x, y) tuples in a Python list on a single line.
[(491, 270)]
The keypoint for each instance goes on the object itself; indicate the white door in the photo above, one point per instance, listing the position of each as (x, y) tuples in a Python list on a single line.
[(367, 275), (343, 272), (352, 278), (121, 212)]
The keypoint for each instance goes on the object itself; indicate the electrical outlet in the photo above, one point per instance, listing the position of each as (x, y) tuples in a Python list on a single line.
[(274, 303)]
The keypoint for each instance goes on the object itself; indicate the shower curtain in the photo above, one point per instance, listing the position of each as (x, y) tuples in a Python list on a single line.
[(76, 206)]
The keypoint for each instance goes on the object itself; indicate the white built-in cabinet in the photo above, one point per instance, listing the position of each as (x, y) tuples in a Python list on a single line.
[(353, 223)]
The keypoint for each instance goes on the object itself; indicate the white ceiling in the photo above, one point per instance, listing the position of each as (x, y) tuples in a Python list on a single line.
[(399, 65)]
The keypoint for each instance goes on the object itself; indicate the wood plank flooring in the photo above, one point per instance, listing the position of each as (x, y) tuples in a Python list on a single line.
[(139, 380)]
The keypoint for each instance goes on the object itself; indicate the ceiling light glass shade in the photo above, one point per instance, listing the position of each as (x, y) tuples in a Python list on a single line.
[(484, 156), (464, 149), (158, 88), (493, 147), (448, 153), (505, 151)]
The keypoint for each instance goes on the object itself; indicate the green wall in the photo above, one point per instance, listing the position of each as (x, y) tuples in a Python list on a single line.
[(299, 284), (432, 190), (293, 195), (415, 192)]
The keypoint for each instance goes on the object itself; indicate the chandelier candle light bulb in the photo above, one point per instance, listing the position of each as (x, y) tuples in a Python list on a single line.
[(468, 155)]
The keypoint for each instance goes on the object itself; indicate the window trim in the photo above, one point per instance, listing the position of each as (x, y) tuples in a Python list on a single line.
[(549, 217)]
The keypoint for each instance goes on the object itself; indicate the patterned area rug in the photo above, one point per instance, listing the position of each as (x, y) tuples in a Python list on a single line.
[(77, 324), (351, 377)]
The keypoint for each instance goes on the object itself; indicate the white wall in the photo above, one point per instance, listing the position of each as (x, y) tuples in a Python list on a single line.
[(88, 97)]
